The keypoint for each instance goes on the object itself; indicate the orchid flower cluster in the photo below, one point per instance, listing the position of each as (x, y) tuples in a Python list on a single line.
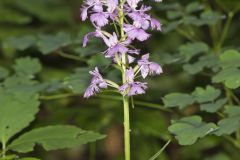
[(131, 22)]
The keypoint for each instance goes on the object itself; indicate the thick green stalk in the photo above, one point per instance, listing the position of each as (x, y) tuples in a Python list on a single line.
[(126, 128), (125, 98)]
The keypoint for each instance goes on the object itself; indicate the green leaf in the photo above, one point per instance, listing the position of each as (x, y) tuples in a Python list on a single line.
[(16, 112), (208, 61), (171, 26), (189, 50), (213, 106), (22, 87), (174, 14), (187, 130), (230, 58), (53, 137), (12, 16), (178, 100), (60, 12), (27, 66), (193, 7), (229, 76), (206, 95), (190, 20), (219, 156), (49, 43), (20, 43), (231, 123), (209, 17), (3, 73)]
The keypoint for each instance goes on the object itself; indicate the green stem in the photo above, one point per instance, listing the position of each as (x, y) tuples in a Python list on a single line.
[(155, 156), (126, 128), (109, 97), (232, 141), (125, 98), (137, 102), (58, 96), (76, 58), (225, 31), (92, 150)]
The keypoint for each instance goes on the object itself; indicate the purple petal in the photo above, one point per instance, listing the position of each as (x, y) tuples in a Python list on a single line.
[(112, 5), (124, 88), (155, 68), (130, 59), (144, 70), (133, 3), (99, 18), (136, 33), (83, 12), (137, 88), (98, 7), (129, 75), (90, 35), (86, 38), (155, 24)]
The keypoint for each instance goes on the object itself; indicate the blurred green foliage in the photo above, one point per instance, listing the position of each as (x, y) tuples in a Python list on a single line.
[(42, 60)]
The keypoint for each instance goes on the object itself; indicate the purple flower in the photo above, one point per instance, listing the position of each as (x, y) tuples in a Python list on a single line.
[(148, 68), (114, 46), (97, 83), (96, 8), (134, 32), (132, 88), (101, 13), (143, 20), (139, 17)]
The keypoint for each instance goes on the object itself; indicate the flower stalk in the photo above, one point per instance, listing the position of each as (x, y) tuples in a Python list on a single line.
[(126, 122), (130, 21)]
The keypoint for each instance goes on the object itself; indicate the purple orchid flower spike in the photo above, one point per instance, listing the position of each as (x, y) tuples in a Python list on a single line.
[(148, 68), (131, 22), (97, 83)]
